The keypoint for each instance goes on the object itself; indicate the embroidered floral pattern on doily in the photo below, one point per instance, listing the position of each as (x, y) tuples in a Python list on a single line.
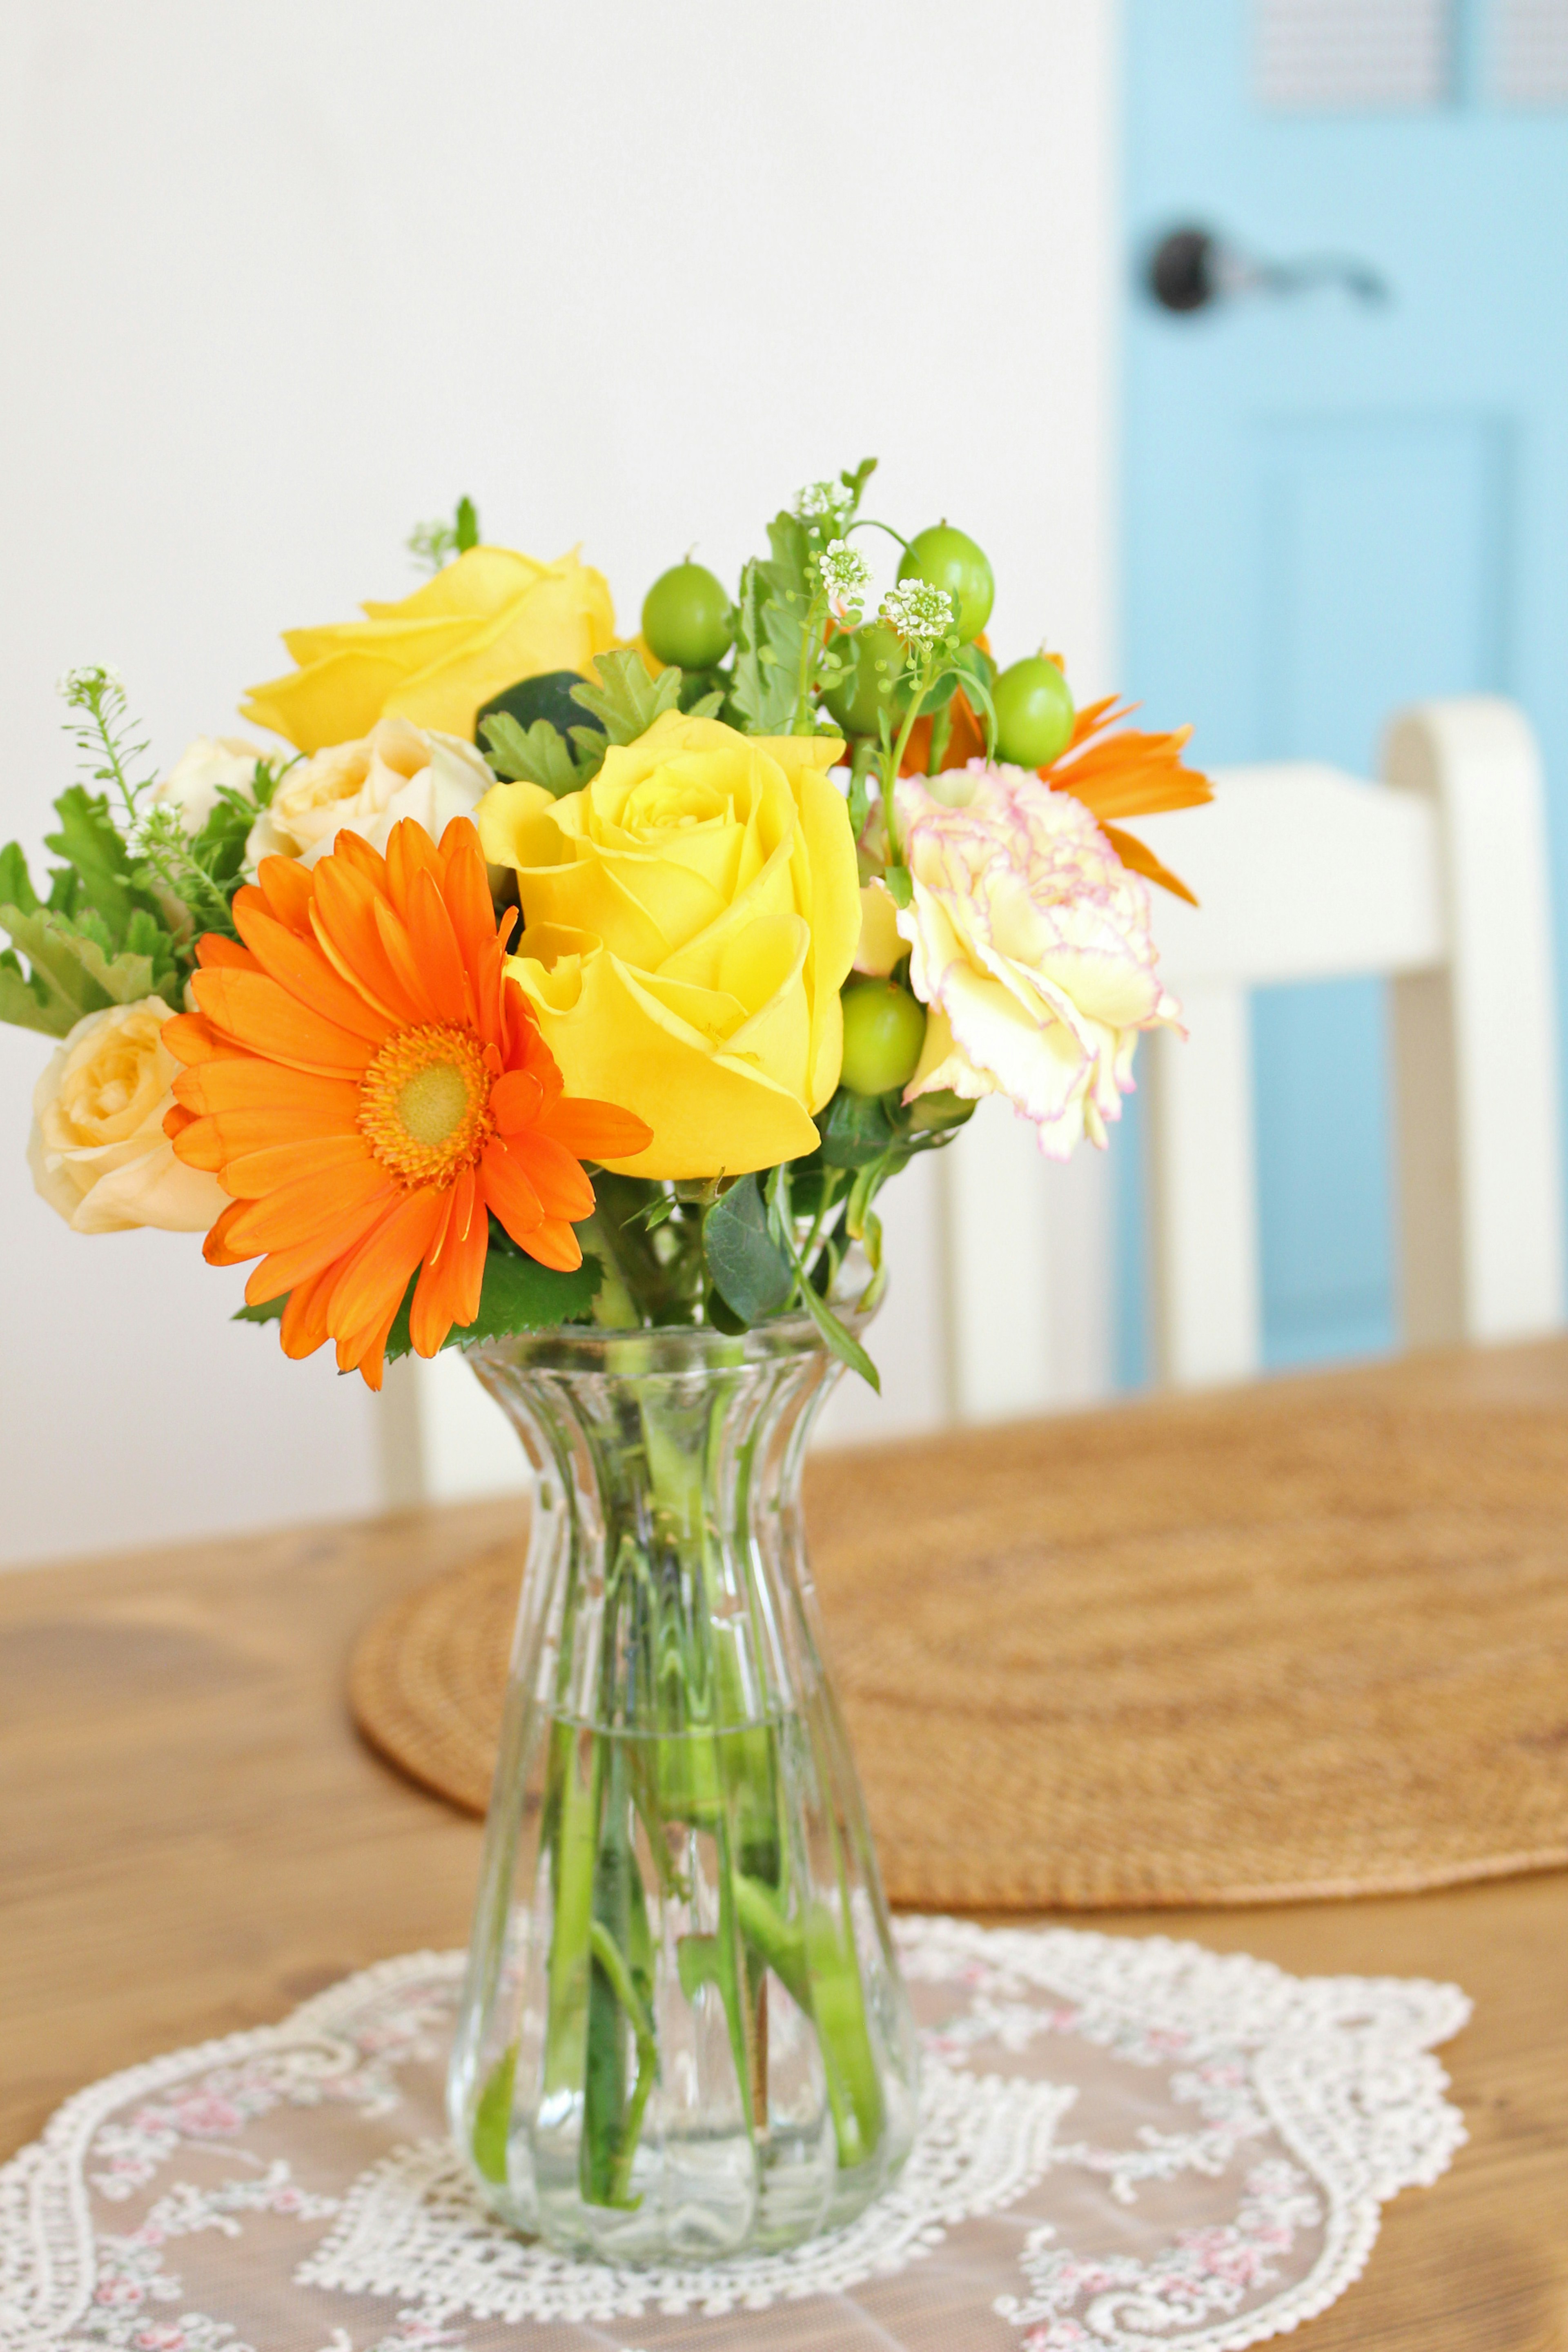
[(1127, 2144)]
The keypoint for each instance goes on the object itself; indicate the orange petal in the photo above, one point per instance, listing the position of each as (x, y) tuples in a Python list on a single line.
[(286, 890), (594, 1131), (215, 1248), (449, 1287), (215, 953), (506, 1188), (379, 1270), (189, 1037), (398, 949), (245, 1082), (467, 892), (253, 1175), (355, 851), (342, 917), (298, 966), (410, 851), (1141, 859), (259, 1130), (517, 1100), (197, 1143), (304, 1327), (281, 1269), (313, 1208), (554, 1244), (563, 1191), (255, 1012), (435, 946)]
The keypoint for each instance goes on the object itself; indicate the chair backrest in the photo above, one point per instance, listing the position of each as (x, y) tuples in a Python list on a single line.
[(1437, 879)]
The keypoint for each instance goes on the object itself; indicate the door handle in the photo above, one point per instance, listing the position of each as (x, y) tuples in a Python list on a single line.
[(1193, 269)]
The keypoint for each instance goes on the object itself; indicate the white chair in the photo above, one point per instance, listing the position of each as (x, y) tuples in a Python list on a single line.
[(1437, 879)]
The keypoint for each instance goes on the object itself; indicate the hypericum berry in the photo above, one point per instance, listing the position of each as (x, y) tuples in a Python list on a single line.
[(685, 617), (884, 1029), (1034, 713), (950, 559)]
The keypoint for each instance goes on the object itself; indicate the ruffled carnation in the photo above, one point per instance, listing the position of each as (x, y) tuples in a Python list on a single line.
[(1029, 941)]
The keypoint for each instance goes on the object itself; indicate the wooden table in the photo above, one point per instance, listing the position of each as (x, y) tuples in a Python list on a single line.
[(193, 1841)]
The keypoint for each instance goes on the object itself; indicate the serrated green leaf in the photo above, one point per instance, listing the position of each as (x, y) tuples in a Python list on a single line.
[(16, 882), (73, 973), (269, 1311), (91, 845), (219, 847), (24, 1003), (538, 754), (708, 705), (518, 1295), (743, 1256), (626, 700)]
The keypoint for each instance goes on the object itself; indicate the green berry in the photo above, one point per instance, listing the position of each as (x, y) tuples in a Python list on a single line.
[(884, 1029), (874, 682), (685, 617), (950, 559), (1034, 713)]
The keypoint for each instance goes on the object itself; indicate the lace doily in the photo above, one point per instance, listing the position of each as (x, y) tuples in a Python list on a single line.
[(1125, 2144)]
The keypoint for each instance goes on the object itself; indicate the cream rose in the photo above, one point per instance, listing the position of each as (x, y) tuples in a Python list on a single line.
[(98, 1150), (397, 771), (212, 762), (1029, 941)]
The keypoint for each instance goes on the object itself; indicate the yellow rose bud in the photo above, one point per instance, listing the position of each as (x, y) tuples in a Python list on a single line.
[(488, 619), (880, 948), (690, 916), (98, 1150)]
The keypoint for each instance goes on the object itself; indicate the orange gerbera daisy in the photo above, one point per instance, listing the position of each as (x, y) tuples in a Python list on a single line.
[(368, 1085)]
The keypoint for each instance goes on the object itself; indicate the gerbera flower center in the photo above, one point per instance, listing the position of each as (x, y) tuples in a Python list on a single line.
[(425, 1104)]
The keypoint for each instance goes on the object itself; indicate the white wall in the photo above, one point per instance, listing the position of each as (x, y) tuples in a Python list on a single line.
[(279, 281)]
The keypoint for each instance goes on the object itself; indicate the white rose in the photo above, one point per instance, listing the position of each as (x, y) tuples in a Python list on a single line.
[(397, 771), (98, 1150), (191, 784)]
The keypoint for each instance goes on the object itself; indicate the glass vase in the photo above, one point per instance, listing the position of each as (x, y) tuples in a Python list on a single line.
[(683, 2032)]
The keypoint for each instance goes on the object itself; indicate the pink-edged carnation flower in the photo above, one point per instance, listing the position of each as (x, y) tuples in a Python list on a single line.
[(1029, 942)]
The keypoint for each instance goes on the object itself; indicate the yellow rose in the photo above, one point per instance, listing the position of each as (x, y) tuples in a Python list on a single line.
[(488, 619), (98, 1150), (689, 918)]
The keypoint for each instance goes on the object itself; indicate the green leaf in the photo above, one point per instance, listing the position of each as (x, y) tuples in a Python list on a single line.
[(73, 973), (16, 882), (538, 754), (518, 1295), (842, 1343), (219, 847), (91, 845), (24, 1003), (900, 884), (625, 700), (708, 705), (466, 532), (855, 1129), (269, 1311), (743, 1259)]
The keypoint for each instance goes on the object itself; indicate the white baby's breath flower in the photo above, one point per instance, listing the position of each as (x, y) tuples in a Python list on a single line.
[(77, 686), (847, 576), (918, 613), (818, 499)]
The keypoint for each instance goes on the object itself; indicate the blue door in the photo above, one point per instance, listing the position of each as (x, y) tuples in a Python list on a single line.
[(1346, 482)]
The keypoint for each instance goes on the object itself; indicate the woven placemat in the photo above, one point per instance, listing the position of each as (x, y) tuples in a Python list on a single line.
[(1305, 1642)]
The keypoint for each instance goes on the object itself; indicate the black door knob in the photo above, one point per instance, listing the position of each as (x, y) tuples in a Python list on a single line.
[(1191, 268)]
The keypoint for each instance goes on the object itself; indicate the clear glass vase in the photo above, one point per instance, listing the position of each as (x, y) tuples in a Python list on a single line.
[(683, 2033)]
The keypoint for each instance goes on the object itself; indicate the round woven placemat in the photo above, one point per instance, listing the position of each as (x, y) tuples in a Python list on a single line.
[(1307, 1641)]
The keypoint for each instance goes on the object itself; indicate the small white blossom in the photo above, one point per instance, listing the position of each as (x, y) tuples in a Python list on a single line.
[(918, 613), (78, 686), (818, 499), (847, 576)]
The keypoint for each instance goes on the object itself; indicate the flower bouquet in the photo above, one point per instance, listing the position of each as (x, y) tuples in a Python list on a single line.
[(571, 1000)]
